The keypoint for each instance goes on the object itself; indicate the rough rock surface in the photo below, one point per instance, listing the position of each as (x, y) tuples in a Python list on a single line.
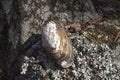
[(34, 14), (92, 61)]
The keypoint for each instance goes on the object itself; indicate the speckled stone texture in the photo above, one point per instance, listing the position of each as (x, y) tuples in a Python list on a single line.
[(92, 61), (34, 14)]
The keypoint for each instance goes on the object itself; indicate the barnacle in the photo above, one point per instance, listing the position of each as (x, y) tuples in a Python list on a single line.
[(57, 44)]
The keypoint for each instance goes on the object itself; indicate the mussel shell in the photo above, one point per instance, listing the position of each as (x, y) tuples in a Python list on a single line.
[(57, 44)]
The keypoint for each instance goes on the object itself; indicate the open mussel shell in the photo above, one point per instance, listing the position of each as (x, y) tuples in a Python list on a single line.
[(57, 44)]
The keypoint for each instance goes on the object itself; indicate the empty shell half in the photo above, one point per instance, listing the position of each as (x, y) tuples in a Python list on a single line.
[(56, 42)]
